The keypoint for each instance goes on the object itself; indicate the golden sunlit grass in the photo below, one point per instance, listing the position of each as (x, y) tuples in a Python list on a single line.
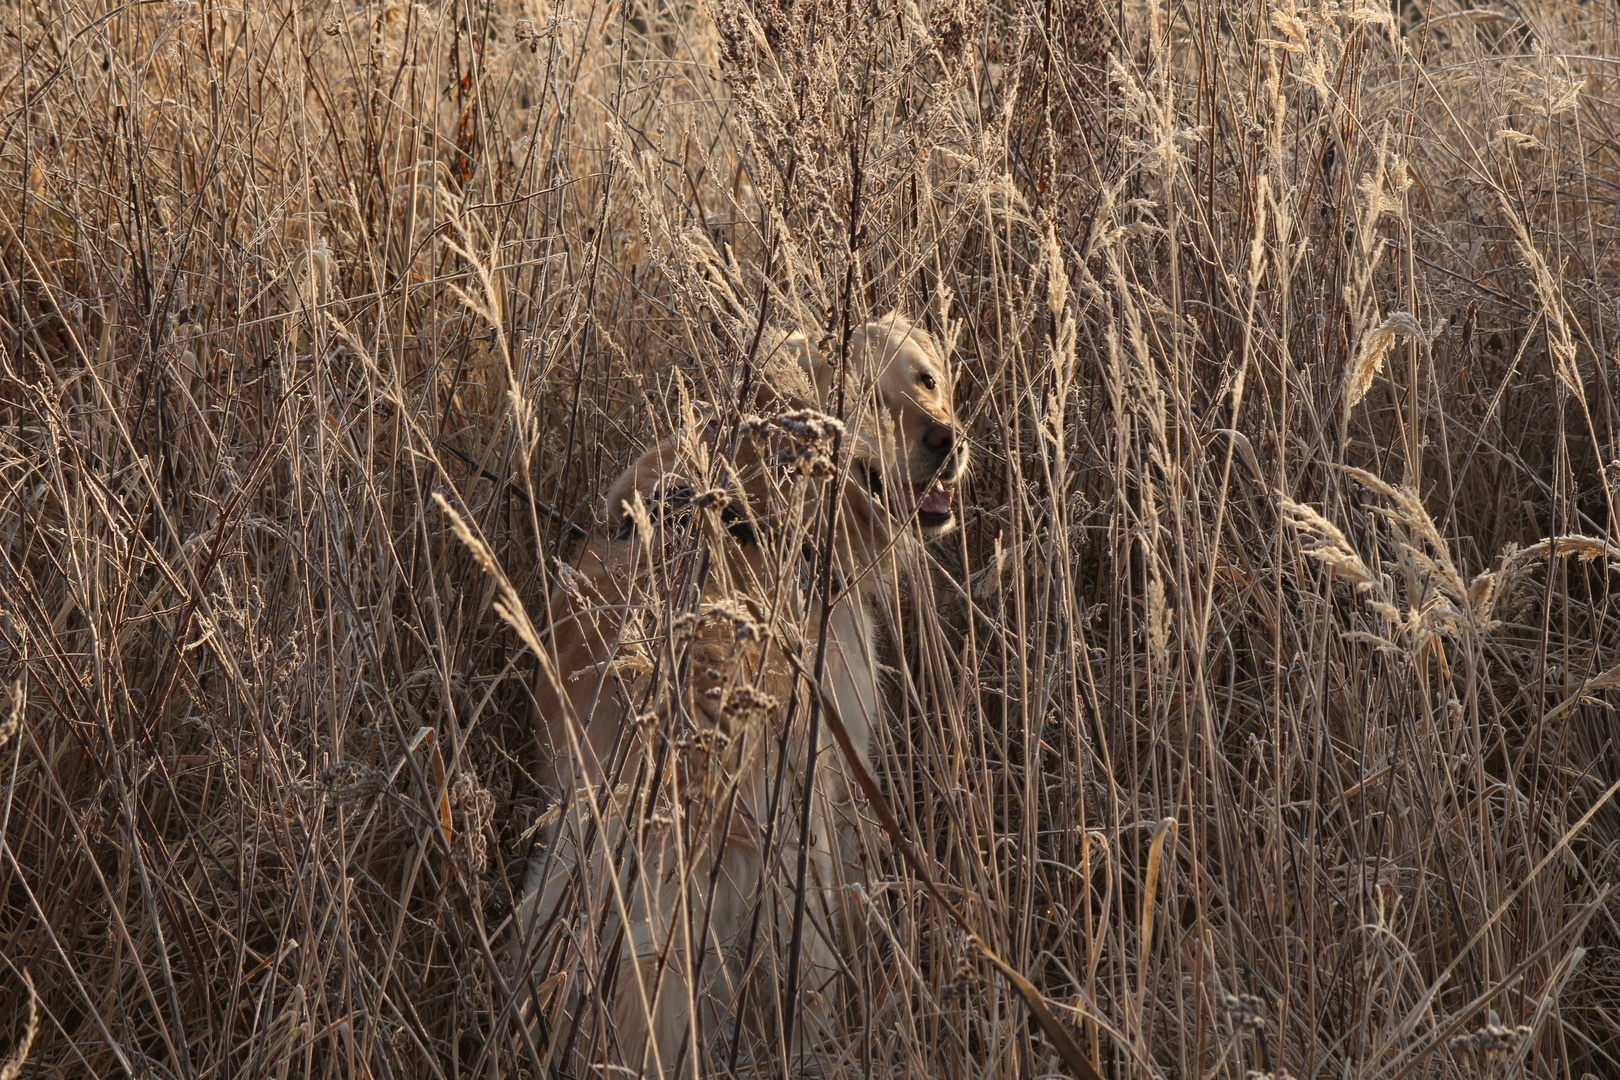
[(1261, 714)]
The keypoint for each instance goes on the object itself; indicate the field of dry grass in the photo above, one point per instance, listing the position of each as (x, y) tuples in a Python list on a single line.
[(1261, 713)]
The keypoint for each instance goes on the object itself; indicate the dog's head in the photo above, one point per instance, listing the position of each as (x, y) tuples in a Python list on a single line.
[(906, 449)]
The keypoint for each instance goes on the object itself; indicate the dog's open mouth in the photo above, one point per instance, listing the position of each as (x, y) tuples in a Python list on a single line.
[(930, 501), (933, 505)]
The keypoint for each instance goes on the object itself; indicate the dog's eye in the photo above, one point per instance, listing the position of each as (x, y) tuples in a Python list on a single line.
[(927, 380)]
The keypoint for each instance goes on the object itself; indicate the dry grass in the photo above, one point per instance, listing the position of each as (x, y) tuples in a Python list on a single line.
[(1278, 734)]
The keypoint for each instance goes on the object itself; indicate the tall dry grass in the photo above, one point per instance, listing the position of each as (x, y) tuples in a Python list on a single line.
[(1261, 714)]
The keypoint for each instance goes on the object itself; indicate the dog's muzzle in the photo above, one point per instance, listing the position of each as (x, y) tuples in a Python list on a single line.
[(948, 444), (932, 498)]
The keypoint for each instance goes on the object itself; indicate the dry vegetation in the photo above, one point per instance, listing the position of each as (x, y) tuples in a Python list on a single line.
[(1262, 712)]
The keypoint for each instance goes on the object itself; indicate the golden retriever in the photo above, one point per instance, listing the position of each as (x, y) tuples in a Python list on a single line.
[(700, 840)]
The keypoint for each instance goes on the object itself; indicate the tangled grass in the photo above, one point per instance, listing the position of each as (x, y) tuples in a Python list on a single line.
[(1261, 714)]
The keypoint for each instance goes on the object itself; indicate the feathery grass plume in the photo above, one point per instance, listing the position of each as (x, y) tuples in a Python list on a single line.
[(1375, 347), (1584, 548), (1550, 299), (1329, 545)]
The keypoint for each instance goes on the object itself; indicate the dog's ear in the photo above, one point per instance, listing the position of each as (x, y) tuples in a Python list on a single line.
[(811, 371), (875, 345), (898, 318)]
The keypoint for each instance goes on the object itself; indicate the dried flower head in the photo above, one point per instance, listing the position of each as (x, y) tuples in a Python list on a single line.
[(704, 741), (809, 425), (1490, 1044), (744, 626), (748, 706), (1246, 1011)]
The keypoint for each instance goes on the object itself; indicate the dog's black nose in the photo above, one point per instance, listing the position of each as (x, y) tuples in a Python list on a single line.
[(941, 439)]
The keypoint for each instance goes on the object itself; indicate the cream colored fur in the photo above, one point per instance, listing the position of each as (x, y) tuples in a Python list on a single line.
[(666, 758)]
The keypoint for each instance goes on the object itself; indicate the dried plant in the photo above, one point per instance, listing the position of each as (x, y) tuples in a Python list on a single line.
[(1258, 721)]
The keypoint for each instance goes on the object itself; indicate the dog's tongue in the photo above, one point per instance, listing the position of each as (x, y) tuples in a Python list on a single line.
[(936, 501)]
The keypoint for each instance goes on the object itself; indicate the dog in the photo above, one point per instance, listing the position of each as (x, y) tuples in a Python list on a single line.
[(702, 841)]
